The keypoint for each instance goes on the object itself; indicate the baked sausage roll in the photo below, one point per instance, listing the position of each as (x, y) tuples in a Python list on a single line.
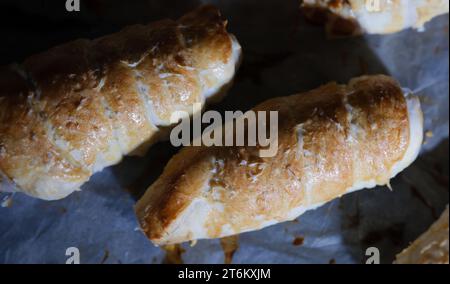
[(67, 113), (331, 141), (353, 17)]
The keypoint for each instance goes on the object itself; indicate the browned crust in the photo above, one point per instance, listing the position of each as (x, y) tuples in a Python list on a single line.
[(333, 158), (24, 148), (87, 95)]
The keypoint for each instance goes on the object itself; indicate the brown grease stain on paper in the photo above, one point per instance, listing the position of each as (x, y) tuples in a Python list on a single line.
[(229, 246), (173, 254)]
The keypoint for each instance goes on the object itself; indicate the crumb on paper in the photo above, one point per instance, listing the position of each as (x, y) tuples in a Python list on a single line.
[(7, 201), (298, 241), (105, 257), (428, 135)]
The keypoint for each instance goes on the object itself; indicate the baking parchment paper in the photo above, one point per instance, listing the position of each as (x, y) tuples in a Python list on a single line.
[(283, 55)]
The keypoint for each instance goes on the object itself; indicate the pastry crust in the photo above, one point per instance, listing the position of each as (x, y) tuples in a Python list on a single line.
[(353, 17), (431, 247), (82, 106), (331, 141)]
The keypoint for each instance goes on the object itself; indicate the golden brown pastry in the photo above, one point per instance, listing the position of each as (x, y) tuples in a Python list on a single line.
[(80, 107), (331, 141), (431, 247), (353, 17)]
